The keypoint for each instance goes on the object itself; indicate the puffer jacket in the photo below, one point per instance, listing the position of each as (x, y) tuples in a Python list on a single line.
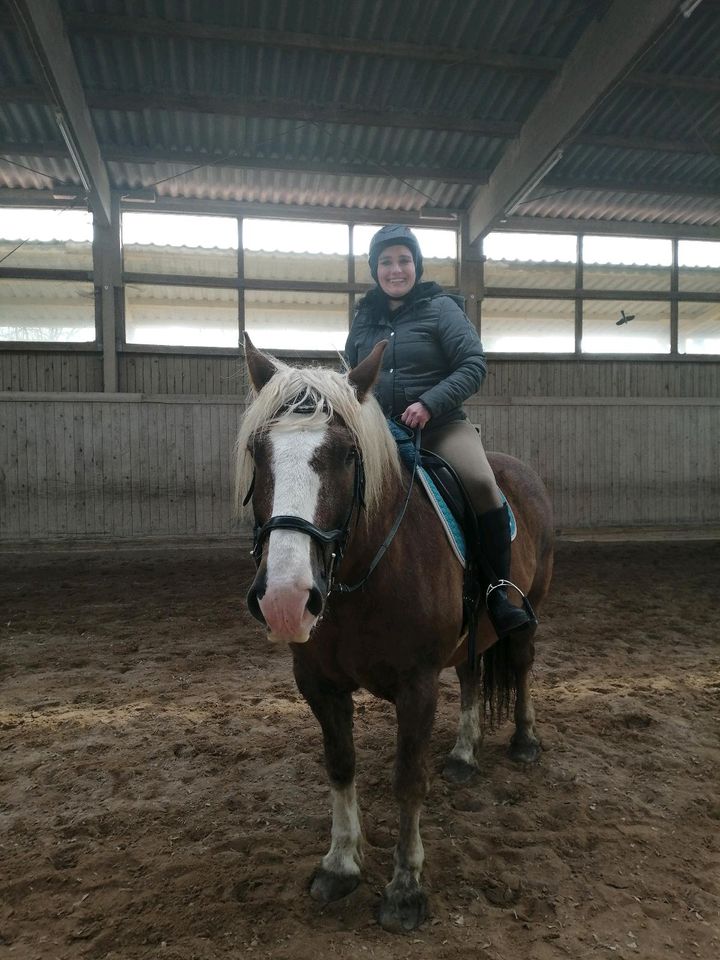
[(434, 354)]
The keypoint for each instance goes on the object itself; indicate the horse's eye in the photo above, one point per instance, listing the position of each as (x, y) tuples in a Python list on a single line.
[(351, 456)]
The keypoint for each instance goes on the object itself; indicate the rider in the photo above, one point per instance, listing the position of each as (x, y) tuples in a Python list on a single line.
[(433, 363)]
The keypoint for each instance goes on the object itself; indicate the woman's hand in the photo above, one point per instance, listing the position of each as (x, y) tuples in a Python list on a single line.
[(416, 415)]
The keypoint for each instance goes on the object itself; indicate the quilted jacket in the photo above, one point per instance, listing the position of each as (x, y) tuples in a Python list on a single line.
[(434, 353)]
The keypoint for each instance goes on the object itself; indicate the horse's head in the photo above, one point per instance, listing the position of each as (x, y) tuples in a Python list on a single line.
[(312, 444)]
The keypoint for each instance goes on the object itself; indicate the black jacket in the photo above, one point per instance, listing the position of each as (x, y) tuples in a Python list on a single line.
[(434, 354)]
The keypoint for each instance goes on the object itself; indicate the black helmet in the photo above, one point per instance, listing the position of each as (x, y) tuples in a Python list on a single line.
[(390, 236)]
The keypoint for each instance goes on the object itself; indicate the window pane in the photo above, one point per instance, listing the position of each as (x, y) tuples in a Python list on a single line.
[(439, 250), (646, 326), (291, 320), (699, 266), (181, 316), (530, 260), (296, 250), (699, 328), (179, 244), (626, 263), (46, 239), (48, 311), (528, 326)]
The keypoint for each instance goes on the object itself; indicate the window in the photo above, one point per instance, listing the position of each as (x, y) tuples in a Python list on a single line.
[(294, 320), (170, 243), (699, 327), (49, 311), (699, 266), (50, 239), (181, 316), (530, 260), (296, 250), (617, 326), (626, 263), (514, 325)]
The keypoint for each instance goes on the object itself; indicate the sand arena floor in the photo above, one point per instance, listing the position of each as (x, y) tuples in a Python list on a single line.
[(162, 793)]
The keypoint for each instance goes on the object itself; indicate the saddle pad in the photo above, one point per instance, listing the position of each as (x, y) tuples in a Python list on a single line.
[(453, 531)]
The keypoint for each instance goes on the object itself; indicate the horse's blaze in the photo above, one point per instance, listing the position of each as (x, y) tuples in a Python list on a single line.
[(289, 570)]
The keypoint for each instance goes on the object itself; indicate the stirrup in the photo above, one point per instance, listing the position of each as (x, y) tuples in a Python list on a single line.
[(526, 606)]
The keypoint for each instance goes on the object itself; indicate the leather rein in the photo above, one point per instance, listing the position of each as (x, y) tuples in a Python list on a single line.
[(337, 539)]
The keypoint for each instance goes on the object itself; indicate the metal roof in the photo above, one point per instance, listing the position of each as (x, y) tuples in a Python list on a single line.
[(364, 106)]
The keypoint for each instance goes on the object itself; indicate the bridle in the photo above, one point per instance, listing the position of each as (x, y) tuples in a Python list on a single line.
[(337, 539)]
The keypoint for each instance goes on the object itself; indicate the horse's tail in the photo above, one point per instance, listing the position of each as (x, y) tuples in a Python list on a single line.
[(499, 679)]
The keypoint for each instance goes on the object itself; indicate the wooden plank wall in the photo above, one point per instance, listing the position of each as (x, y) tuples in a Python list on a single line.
[(93, 467), (54, 372), (189, 374)]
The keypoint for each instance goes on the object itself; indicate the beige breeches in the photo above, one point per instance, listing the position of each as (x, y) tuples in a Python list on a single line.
[(459, 443)]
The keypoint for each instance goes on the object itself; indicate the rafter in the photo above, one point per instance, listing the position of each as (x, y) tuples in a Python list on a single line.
[(121, 154), (601, 59), (42, 25), (245, 36)]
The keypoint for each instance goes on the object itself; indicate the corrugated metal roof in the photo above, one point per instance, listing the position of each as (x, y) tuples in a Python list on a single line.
[(147, 57)]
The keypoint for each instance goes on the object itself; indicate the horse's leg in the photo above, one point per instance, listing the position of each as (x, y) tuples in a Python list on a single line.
[(404, 903), (524, 744), (461, 764), (339, 871)]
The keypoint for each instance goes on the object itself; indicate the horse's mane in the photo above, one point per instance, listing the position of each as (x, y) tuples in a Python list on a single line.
[(330, 393)]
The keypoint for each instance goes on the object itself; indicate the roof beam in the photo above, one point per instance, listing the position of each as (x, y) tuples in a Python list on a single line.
[(325, 113), (196, 158), (42, 25), (145, 156), (665, 188), (602, 58), (245, 36), (300, 111), (100, 24)]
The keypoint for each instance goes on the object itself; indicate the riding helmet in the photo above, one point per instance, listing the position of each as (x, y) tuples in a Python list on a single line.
[(390, 236)]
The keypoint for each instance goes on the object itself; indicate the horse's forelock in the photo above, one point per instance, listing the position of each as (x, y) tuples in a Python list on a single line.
[(276, 407)]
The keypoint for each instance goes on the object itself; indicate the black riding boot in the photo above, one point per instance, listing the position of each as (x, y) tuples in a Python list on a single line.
[(494, 529)]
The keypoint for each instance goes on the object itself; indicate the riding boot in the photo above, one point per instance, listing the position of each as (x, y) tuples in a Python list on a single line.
[(494, 530)]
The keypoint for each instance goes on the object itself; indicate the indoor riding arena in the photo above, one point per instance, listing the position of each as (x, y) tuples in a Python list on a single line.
[(175, 175)]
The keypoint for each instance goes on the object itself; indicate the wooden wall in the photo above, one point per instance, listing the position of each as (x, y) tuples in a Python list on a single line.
[(54, 372), (96, 467), (192, 374)]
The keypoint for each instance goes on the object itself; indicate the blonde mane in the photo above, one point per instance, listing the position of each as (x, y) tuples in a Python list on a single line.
[(330, 393)]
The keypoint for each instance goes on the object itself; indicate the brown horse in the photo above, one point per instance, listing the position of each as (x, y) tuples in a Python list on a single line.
[(356, 574)]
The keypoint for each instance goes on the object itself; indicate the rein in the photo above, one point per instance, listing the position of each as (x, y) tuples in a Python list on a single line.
[(336, 538), (345, 588)]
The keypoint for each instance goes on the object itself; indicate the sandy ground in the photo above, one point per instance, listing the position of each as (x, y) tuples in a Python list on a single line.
[(162, 793)]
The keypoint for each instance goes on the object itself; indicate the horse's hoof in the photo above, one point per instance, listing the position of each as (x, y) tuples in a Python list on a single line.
[(458, 771), (402, 913), (326, 887), (525, 751)]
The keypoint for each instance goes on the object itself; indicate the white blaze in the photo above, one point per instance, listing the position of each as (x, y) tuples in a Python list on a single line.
[(289, 569), (297, 488)]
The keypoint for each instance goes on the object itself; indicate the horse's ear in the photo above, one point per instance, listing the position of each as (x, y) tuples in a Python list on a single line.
[(259, 364), (364, 375)]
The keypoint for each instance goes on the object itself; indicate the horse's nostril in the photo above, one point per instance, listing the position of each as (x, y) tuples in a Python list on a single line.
[(315, 602)]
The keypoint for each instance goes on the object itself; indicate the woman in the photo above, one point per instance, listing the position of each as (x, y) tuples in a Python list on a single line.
[(433, 363)]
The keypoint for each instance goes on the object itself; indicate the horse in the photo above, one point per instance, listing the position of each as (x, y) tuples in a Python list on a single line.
[(355, 573)]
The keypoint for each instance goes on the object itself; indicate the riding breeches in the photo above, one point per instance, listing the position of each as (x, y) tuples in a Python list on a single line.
[(459, 443)]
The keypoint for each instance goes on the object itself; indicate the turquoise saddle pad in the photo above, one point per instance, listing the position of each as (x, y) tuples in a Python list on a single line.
[(406, 449)]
